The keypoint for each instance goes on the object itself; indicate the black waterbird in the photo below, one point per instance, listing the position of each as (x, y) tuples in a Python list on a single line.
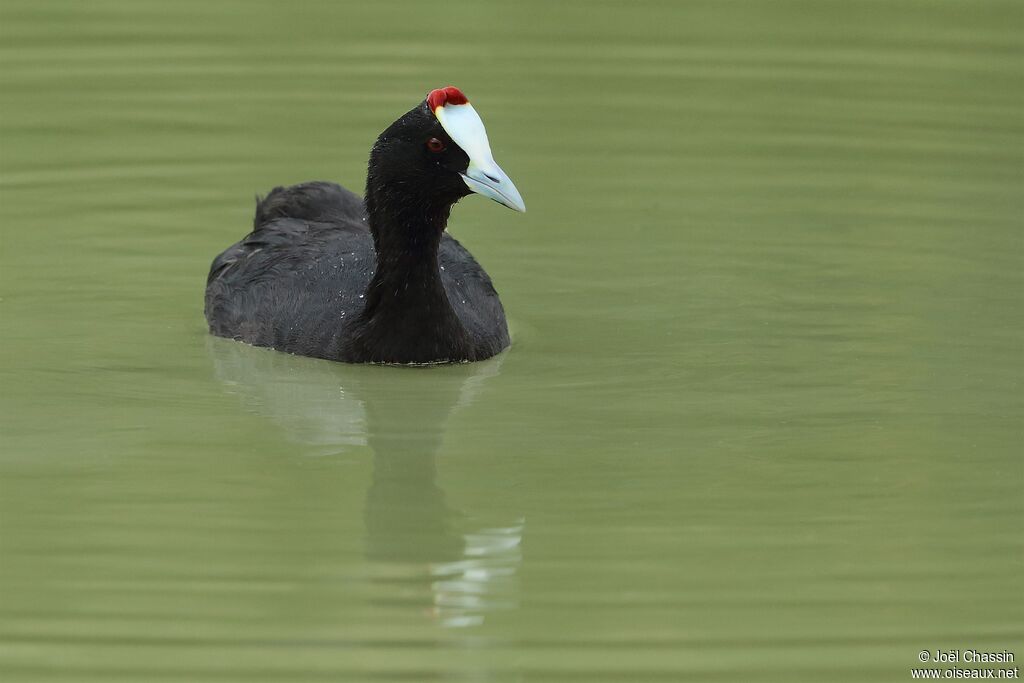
[(325, 273)]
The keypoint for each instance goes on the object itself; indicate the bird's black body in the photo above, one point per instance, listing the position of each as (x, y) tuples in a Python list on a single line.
[(329, 275)]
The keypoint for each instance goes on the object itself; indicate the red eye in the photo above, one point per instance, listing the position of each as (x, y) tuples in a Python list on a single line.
[(435, 145)]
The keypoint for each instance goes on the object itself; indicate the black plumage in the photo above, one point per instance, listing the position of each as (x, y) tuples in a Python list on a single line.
[(325, 273)]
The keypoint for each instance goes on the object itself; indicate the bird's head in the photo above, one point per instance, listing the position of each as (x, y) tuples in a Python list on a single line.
[(438, 152)]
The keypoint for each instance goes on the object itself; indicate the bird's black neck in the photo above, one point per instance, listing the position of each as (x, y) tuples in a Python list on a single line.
[(407, 313)]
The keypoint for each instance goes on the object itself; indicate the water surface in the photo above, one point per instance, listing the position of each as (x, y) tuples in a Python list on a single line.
[(761, 419)]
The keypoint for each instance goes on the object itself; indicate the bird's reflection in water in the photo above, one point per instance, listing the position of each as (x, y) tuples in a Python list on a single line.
[(402, 415)]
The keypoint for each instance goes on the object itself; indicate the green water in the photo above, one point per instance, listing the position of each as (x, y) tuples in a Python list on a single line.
[(762, 415)]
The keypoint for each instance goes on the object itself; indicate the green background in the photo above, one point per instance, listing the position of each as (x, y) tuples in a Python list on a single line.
[(762, 415)]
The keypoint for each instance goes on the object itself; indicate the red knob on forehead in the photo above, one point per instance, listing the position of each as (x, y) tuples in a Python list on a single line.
[(442, 96)]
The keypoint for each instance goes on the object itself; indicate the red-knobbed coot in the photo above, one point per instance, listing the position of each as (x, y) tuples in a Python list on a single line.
[(325, 273)]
